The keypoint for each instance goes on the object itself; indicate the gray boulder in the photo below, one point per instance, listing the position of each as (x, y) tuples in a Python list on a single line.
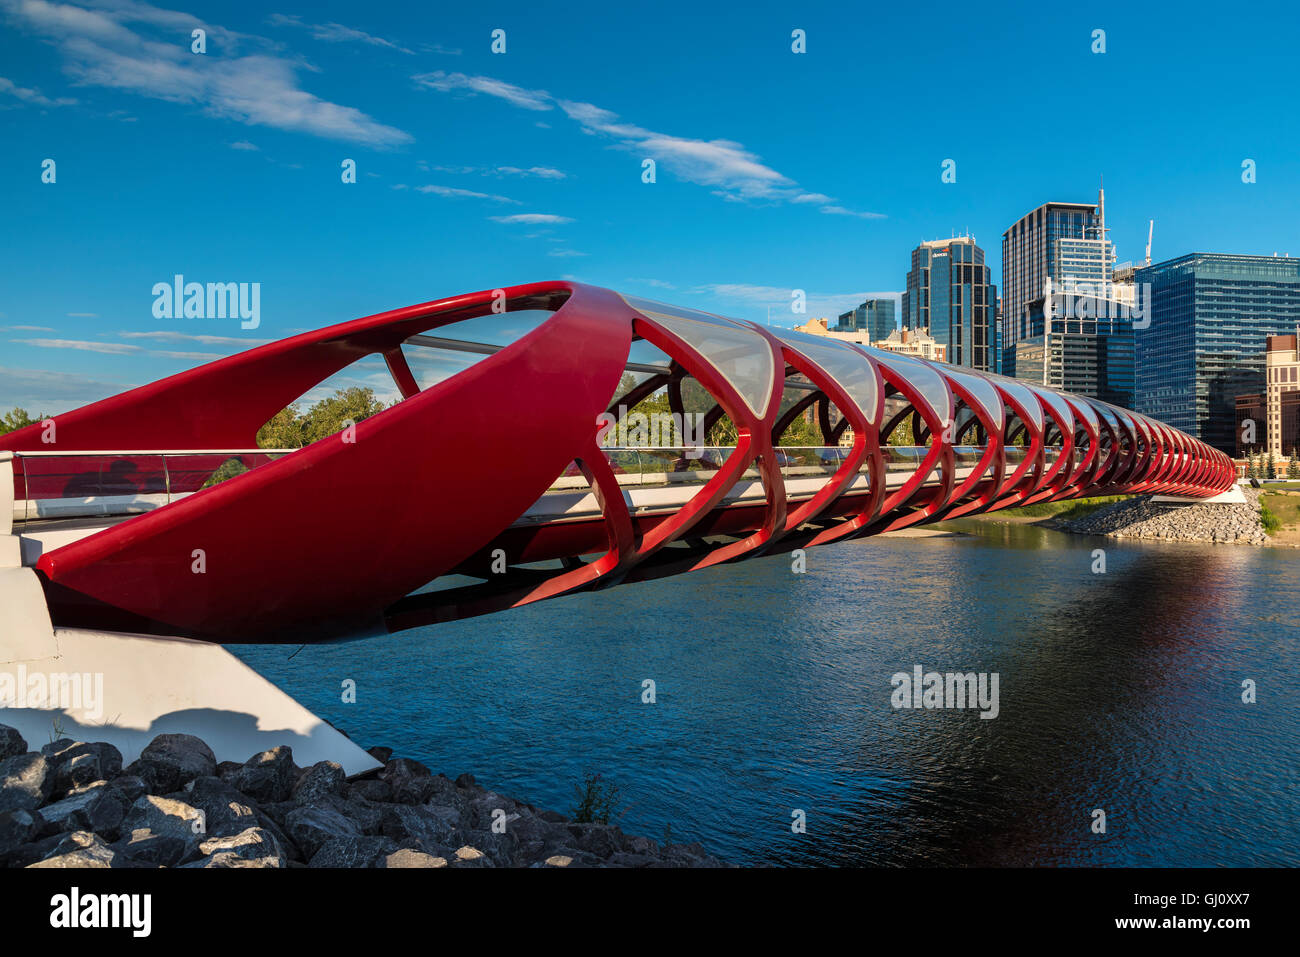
[(312, 827), (96, 808), (267, 777), (79, 850), (323, 779), (226, 811), (11, 742), (159, 830), (501, 849), (411, 782), (129, 788), (366, 816), (353, 852), (265, 822), (623, 859), (538, 838), (602, 840), (371, 789), (26, 781), (17, 828), (173, 760), (78, 763), (253, 847), (428, 826)]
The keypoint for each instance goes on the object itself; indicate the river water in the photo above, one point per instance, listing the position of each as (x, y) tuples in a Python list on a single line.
[(1119, 691)]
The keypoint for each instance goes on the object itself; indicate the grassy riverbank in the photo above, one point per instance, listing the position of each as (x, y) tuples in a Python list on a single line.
[(1282, 518), (1057, 511)]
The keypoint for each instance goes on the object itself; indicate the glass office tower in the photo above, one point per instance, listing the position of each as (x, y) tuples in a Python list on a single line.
[(1061, 324), (1210, 316), (950, 296), (874, 317)]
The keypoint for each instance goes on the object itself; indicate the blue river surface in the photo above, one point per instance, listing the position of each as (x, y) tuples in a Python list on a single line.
[(1119, 691)]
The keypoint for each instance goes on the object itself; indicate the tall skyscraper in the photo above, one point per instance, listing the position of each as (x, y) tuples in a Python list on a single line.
[(950, 296), (875, 317), (1205, 339), (1061, 323)]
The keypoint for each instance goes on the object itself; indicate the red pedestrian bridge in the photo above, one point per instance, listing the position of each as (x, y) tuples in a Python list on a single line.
[(495, 486)]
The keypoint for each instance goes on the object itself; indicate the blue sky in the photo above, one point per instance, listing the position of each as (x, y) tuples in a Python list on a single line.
[(818, 171)]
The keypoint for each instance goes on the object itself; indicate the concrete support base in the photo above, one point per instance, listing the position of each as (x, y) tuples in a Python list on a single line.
[(1234, 496), (127, 689)]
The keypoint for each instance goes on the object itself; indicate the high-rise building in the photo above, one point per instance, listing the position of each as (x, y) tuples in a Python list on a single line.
[(1269, 421), (1062, 324), (950, 296), (1205, 336), (997, 337), (874, 316), (1252, 412), (1282, 381)]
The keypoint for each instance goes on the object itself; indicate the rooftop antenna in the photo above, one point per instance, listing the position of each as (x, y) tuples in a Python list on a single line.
[(1101, 205), (1151, 228)]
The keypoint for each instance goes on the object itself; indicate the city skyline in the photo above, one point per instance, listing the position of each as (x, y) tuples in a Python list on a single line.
[(470, 164)]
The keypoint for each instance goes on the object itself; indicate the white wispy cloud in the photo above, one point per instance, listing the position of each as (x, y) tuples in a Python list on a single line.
[(448, 82), (841, 211), (335, 32), (83, 315), (565, 253), (108, 348), (537, 172), (726, 167), (531, 218), (454, 193), (33, 96), (257, 89), (207, 340), (245, 145), (540, 172), (199, 356), (27, 329), (41, 391)]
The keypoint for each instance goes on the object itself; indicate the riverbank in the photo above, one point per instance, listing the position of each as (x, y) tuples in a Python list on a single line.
[(1145, 518), (73, 804), (1139, 517)]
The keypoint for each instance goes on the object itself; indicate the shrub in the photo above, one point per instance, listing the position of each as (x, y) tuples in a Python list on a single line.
[(597, 800), (1269, 520)]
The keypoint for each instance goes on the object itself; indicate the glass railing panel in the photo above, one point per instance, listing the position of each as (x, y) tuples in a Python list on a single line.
[(68, 486), (188, 472)]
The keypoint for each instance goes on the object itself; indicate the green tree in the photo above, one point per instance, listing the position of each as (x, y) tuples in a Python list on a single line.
[(284, 431), (1272, 466), (1293, 467), (331, 415), (289, 429), (16, 419)]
